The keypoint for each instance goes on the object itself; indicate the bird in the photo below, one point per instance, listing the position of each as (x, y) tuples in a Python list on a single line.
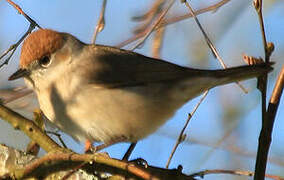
[(98, 93)]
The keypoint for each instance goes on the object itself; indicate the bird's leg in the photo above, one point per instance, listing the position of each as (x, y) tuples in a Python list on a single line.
[(129, 151), (90, 148)]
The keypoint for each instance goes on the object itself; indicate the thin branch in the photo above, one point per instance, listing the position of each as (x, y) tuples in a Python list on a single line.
[(182, 135), (18, 8), (149, 31), (16, 96), (267, 127), (13, 47), (158, 42), (33, 147), (93, 163), (227, 146), (232, 172), (277, 92), (149, 16), (58, 136), (216, 54), (169, 21), (209, 43), (129, 151), (29, 128), (212, 8), (265, 134), (101, 22), (208, 154)]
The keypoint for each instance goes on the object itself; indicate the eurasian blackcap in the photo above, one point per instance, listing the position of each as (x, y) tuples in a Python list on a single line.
[(101, 93)]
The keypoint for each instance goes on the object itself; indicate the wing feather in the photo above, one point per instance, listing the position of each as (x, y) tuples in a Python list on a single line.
[(116, 67)]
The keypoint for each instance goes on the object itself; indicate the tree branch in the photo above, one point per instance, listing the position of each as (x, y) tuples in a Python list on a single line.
[(29, 128), (265, 134)]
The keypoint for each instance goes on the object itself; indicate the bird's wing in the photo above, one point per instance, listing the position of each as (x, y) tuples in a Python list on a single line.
[(115, 68)]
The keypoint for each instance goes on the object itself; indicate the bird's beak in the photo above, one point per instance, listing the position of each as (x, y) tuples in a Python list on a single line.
[(18, 74)]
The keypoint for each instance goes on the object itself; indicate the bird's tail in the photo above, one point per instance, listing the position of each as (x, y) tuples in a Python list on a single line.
[(241, 73)]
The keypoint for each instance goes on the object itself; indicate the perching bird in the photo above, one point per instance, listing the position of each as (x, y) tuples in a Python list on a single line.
[(102, 93)]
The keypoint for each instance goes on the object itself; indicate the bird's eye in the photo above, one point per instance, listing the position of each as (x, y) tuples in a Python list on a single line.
[(44, 61)]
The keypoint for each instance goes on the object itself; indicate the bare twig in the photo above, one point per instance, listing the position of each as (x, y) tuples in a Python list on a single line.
[(42, 167), (216, 54), (207, 155), (212, 8), (29, 128), (182, 135), (265, 135), (101, 22), (129, 151), (150, 30), (75, 160), (229, 146), (277, 92), (169, 21), (33, 147), (157, 42), (267, 127), (58, 136), (13, 47), (16, 95), (250, 60), (209, 43), (149, 16), (156, 7), (18, 8), (232, 172)]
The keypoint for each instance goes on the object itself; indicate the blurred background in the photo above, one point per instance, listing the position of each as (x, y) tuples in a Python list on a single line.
[(223, 134)]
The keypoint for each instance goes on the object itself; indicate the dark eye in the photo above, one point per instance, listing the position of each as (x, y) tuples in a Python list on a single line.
[(44, 61)]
